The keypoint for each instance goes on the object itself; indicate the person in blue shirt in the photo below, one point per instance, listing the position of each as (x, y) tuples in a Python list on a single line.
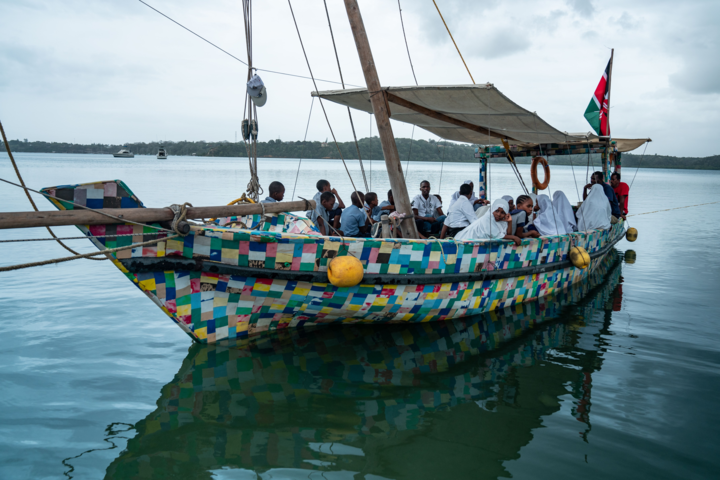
[(276, 193), (597, 178), (386, 207), (354, 221)]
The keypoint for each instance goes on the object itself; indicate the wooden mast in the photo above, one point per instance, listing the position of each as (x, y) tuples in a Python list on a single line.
[(609, 156), (382, 117)]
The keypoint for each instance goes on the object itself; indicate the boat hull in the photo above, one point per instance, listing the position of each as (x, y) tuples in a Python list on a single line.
[(223, 282)]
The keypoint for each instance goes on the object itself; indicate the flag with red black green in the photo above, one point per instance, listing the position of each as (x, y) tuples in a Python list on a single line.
[(597, 111)]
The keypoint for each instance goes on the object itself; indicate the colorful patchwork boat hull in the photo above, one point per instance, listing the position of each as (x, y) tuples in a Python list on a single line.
[(243, 275)]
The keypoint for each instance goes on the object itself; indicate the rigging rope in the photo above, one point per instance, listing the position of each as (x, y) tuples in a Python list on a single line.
[(406, 43), (84, 255), (639, 163), (254, 190), (307, 61), (32, 202), (342, 81), (304, 140), (453, 40), (412, 135), (407, 164), (233, 56)]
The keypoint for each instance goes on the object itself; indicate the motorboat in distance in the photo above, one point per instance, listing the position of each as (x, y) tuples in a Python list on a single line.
[(162, 154), (124, 153)]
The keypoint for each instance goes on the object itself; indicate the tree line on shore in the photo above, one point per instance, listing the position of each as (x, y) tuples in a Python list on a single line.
[(370, 148)]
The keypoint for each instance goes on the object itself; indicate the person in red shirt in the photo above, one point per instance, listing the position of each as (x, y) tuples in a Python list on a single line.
[(622, 191)]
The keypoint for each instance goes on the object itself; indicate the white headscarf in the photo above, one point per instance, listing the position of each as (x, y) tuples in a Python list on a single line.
[(456, 195), (595, 211), (564, 212), (508, 199), (486, 226), (545, 221)]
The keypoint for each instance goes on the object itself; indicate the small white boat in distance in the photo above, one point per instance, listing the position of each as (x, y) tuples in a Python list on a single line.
[(124, 153), (162, 154)]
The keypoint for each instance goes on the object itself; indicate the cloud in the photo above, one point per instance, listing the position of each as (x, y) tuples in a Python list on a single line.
[(499, 43), (582, 7)]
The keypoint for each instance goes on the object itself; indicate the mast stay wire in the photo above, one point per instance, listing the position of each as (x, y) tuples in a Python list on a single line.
[(32, 202), (412, 68), (307, 61), (342, 81), (453, 40), (637, 169), (236, 58), (304, 140)]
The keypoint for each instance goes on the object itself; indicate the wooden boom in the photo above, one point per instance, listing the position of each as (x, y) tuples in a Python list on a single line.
[(140, 215)]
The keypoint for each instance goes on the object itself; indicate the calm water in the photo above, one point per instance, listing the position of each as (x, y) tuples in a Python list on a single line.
[(620, 381)]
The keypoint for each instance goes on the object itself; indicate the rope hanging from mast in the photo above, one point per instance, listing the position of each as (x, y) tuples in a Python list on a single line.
[(322, 105), (250, 123), (453, 40), (342, 81)]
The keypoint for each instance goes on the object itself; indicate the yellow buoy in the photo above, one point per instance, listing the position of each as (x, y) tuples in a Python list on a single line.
[(630, 256), (345, 271), (631, 234), (579, 257)]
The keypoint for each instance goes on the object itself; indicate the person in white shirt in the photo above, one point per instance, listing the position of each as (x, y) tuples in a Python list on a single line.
[(474, 201), (424, 207), (460, 215)]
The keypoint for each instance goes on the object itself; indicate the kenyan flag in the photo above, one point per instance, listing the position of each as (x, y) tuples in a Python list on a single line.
[(597, 112)]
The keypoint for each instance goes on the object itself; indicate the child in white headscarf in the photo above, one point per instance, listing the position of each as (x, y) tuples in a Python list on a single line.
[(595, 211), (564, 213), (546, 223), (494, 224), (510, 201)]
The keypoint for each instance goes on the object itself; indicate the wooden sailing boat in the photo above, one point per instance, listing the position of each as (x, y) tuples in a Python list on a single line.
[(242, 275)]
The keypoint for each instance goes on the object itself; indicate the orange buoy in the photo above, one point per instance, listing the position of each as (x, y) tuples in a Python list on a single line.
[(533, 173)]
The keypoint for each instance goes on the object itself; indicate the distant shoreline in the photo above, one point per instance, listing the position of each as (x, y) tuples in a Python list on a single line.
[(416, 150)]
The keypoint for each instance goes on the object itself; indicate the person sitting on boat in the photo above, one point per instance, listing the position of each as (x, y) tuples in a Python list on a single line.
[(495, 224), (622, 191), (353, 221), (424, 207), (386, 207), (276, 192), (320, 215), (460, 214), (523, 211), (545, 222), (334, 213), (436, 214), (476, 202), (509, 199), (371, 204), (597, 179), (595, 211), (564, 213)]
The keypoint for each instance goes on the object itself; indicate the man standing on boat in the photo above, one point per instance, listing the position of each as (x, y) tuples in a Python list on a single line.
[(597, 178), (622, 191), (424, 207)]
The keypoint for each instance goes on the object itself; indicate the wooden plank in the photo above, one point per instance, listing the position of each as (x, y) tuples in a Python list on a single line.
[(382, 118), (140, 215), (441, 116)]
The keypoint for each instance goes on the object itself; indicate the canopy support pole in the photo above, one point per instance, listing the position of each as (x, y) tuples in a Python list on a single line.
[(382, 116), (483, 180)]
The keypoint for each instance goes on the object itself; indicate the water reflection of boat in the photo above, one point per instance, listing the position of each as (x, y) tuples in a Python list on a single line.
[(346, 400)]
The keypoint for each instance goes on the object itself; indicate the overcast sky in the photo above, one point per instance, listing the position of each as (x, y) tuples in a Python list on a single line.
[(115, 71)]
